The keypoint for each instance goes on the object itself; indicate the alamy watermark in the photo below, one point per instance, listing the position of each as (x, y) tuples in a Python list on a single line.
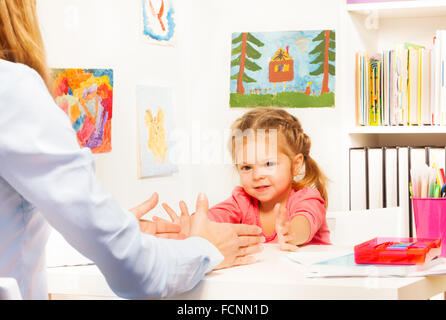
[(210, 146)]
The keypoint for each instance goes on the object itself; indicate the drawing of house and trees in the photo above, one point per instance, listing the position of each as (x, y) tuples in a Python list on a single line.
[(283, 69)]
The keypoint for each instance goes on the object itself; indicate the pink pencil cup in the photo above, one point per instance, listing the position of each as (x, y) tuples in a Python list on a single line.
[(430, 219)]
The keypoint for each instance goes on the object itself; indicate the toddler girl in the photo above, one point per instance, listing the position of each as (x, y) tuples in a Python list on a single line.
[(269, 149)]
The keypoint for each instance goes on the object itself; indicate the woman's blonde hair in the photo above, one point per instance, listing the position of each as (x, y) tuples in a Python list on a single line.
[(291, 140), (20, 37)]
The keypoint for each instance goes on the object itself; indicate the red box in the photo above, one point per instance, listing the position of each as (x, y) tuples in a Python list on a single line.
[(397, 251)]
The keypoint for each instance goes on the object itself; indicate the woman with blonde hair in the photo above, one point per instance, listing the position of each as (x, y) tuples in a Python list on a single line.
[(45, 177)]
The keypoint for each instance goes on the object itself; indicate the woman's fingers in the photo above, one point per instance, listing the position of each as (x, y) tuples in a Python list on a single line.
[(247, 230), (239, 261), (158, 226), (245, 241), (156, 218), (244, 260), (163, 226), (148, 227), (176, 236), (245, 251)]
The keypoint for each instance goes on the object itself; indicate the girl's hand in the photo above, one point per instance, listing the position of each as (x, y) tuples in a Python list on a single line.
[(160, 227), (183, 221), (236, 242), (283, 229)]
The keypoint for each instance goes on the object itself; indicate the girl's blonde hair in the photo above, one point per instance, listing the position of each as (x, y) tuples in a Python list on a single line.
[(291, 140), (20, 37)]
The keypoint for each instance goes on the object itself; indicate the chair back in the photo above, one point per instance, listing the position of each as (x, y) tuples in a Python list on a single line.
[(355, 227)]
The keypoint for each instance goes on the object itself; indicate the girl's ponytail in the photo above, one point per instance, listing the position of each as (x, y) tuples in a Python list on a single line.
[(313, 177)]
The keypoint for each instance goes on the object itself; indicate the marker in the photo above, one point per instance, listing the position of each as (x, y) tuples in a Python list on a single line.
[(431, 189), (437, 191), (437, 173), (442, 176)]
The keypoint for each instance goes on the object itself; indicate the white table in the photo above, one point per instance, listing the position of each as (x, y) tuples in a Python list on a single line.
[(274, 277)]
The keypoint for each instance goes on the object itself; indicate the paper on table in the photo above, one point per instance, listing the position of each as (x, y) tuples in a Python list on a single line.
[(309, 258), (345, 266)]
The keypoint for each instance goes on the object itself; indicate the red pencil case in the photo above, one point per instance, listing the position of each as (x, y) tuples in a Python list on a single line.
[(397, 251)]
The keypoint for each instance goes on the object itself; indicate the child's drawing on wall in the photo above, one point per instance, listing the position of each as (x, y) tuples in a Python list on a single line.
[(158, 22), (157, 135), (154, 108), (283, 69), (86, 96)]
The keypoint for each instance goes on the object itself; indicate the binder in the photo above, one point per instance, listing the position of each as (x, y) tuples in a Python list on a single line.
[(403, 183), (357, 179), (375, 174), (391, 177), (380, 177)]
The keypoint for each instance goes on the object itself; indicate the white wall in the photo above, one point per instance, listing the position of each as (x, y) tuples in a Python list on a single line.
[(105, 34)]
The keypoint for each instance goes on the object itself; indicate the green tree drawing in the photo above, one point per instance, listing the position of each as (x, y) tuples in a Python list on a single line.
[(244, 52), (325, 53)]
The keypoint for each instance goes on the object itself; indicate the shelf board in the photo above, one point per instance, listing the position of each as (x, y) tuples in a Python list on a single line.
[(397, 130), (399, 9)]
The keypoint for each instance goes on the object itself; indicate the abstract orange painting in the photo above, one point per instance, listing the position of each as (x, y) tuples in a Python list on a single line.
[(86, 96)]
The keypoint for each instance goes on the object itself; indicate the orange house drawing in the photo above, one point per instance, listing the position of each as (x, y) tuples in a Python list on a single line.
[(281, 66)]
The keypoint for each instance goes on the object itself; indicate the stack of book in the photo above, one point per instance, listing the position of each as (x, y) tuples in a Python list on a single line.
[(404, 86)]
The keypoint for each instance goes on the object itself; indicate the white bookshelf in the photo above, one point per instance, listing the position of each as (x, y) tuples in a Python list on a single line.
[(399, 9), (398, 130), (413, 21)]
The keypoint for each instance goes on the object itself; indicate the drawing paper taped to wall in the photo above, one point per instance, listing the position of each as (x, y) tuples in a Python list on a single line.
[(283, 69), (158, 21), (86, 96), (154, 110)]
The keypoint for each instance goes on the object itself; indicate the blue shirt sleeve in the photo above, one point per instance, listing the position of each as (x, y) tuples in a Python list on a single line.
[(41, 159)]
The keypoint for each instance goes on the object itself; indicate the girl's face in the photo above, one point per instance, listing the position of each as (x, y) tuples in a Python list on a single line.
[(267, 175)]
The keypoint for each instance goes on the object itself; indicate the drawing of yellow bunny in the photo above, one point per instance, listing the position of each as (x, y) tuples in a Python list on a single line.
[(157, 135)]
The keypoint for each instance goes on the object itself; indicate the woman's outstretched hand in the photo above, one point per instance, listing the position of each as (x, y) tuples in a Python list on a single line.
[(236, 242), (184, 220)]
